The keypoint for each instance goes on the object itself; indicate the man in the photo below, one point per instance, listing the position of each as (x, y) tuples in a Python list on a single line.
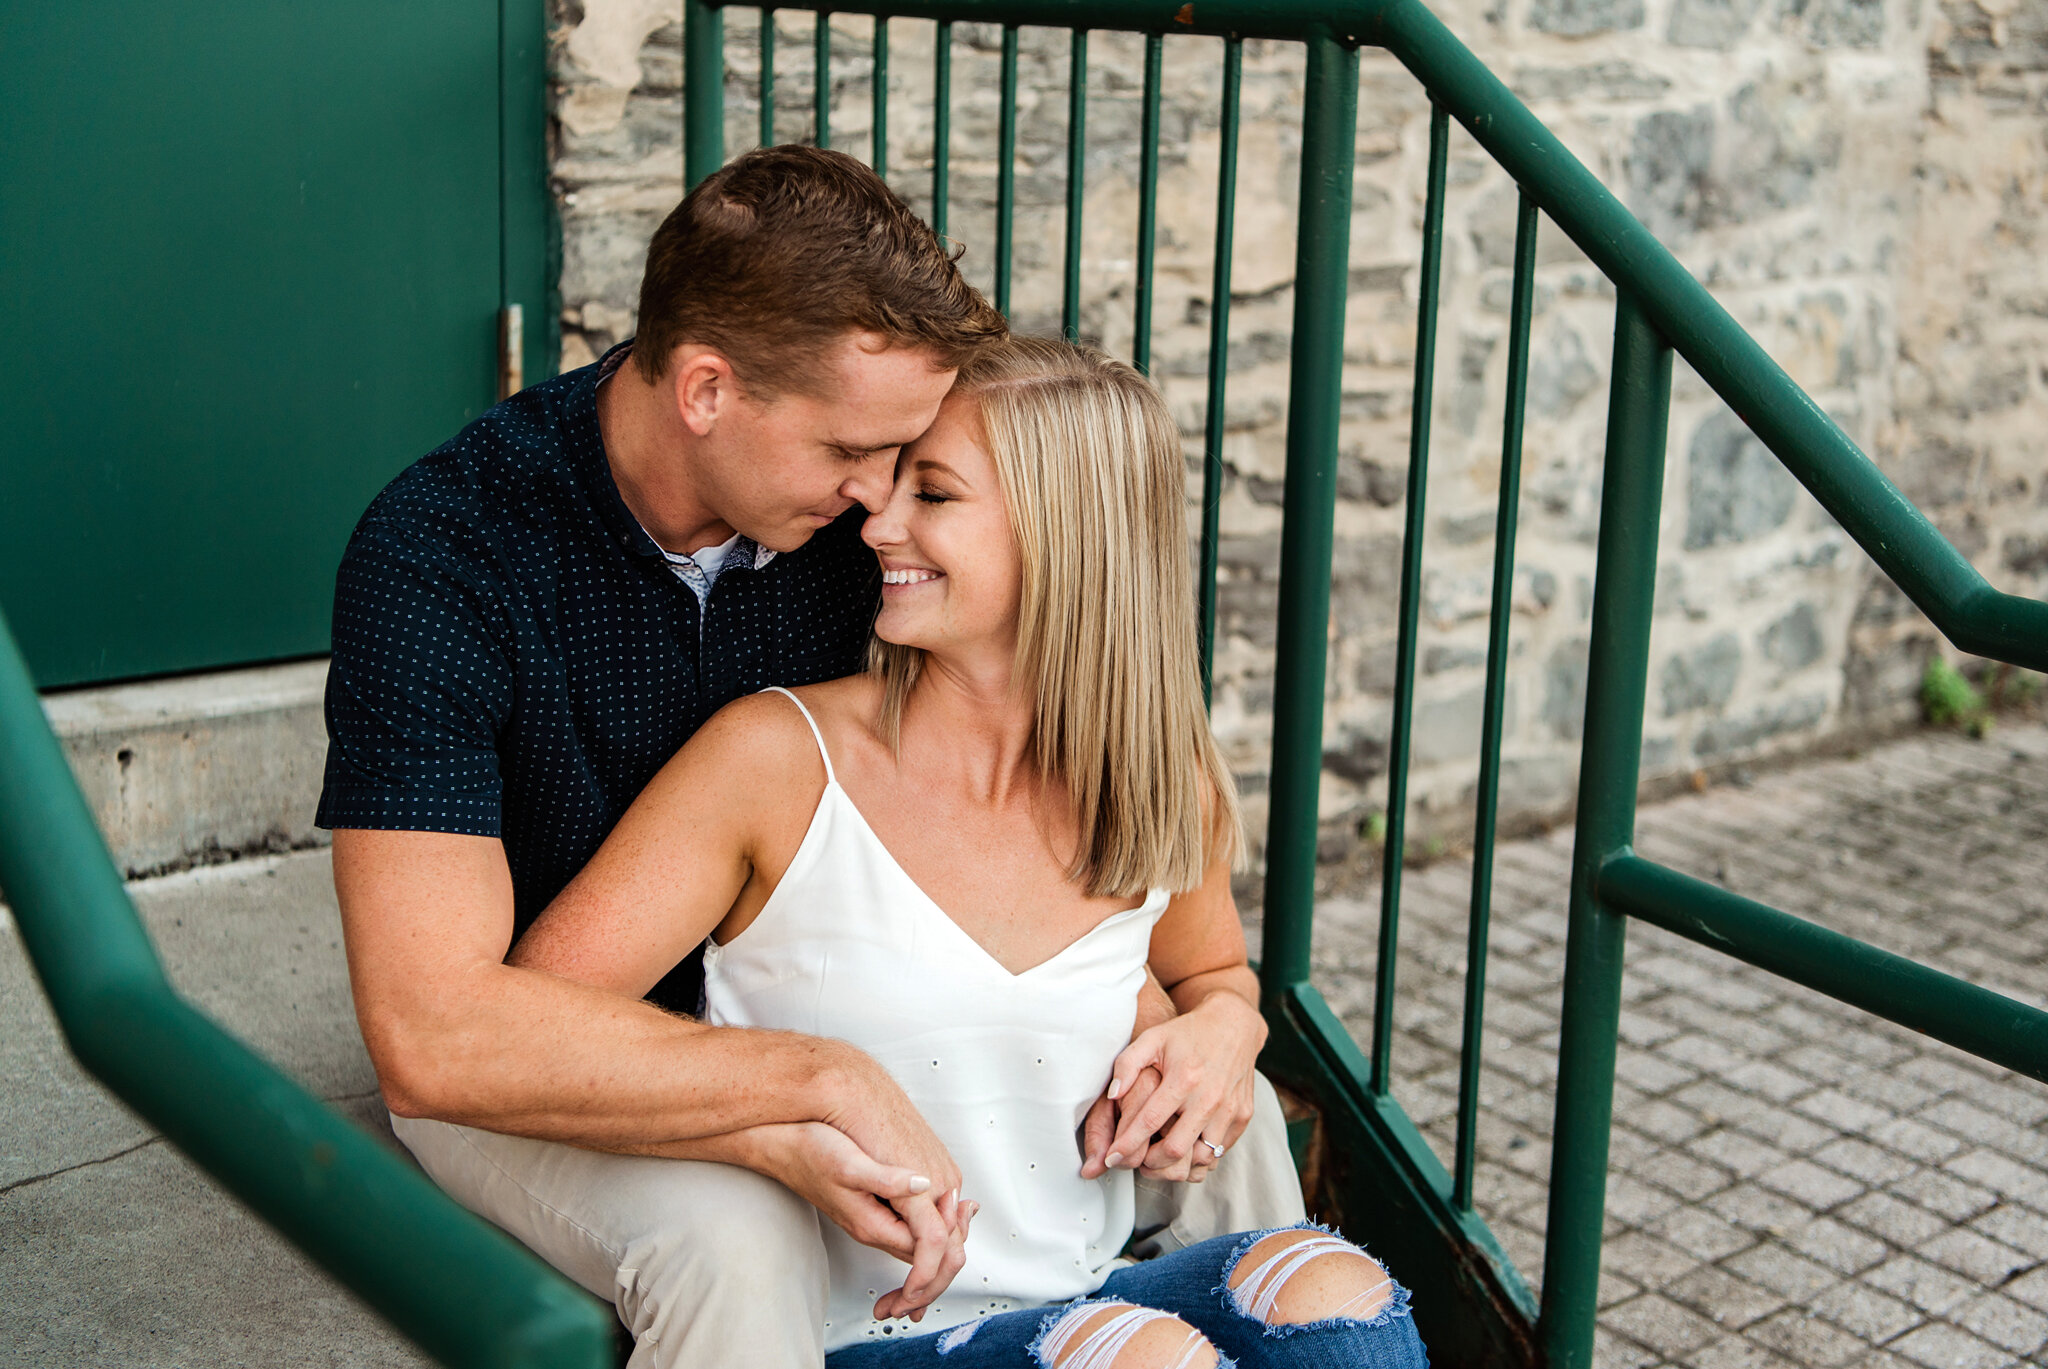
[(533, 618)]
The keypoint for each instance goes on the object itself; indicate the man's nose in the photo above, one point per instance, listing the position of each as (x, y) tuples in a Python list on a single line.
[(870, 487)]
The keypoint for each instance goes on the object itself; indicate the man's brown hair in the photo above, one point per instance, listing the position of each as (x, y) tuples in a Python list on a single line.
[(778, 255)]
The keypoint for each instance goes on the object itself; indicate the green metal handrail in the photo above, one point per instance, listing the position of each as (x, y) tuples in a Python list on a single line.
[(1661, 309), (461, 1290)]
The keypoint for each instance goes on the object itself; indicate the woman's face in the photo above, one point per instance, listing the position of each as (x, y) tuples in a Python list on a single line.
[(951, 573)]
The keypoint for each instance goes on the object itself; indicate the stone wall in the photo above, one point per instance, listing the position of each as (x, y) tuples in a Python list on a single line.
[(1860, 182)]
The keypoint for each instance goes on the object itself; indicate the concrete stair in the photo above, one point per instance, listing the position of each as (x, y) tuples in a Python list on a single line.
[(114, 1249)]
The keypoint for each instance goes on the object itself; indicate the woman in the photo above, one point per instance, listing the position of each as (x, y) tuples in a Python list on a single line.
[(960, 862)]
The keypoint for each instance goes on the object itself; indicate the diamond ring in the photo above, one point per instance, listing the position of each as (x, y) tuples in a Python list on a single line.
[(1215, 1149)]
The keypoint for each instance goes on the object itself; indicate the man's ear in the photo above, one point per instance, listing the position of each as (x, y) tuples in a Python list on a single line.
[(703, 387)]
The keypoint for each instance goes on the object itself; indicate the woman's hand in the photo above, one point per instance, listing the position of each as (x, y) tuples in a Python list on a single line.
[(874, 1113), (1190, 1078), (822, 1165), (888, 1207)]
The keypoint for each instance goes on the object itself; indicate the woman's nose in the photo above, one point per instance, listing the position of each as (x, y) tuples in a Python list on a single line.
[(882, 528)]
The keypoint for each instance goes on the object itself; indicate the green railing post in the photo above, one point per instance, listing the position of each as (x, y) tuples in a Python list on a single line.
[(767, 83), (1006, 172), (1394, 847), (704, 89), (1322, 255), (878, 139), (821, 79), (942, 123), (1148, 205), (1617, 672), (1219, 351), (1077, 157), (1486, 816)]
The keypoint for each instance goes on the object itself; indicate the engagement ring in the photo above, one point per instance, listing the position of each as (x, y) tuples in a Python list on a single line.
[(1218, 1150)]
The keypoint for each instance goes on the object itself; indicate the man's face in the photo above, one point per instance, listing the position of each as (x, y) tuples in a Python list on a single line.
[(779, 470)]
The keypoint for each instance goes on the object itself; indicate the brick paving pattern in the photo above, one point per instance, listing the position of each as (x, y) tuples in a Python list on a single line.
[(1793, 1182)]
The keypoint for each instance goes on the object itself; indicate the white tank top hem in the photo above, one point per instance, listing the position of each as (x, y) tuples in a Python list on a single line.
[(1003, 1065)]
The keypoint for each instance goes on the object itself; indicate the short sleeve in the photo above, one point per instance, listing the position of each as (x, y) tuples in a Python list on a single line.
[(419, 689)]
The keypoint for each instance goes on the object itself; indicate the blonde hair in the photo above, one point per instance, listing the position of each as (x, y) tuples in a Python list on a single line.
[(1092, 473)]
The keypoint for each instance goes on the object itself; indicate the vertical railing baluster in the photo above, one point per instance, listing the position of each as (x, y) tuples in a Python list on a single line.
[(1006, 171), (1077, 157), (1148, 205), (767, 77), (878, 140), (1617, 675), (821, 79), (703, 91), (1308, 528), (1410, 606), (1219, 352), (942, 123), (1486, 820)]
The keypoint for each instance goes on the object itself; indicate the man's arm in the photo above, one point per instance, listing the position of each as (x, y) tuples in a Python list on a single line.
[(458, 1035)]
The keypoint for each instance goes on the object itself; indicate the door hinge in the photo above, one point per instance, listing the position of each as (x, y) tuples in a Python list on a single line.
[(511, 351)]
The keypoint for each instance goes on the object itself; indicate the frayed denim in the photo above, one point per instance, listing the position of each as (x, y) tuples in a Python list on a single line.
[(1192, 1284)]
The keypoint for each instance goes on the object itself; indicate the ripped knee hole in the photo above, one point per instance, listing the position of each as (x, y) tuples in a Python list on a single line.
[(1298, 1276), (1118, 1335)]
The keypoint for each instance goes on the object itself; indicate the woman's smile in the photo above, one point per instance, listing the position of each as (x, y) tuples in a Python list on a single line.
[(909, 575)]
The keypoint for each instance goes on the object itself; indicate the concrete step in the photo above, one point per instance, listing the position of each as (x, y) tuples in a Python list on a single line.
[(114, 1250), (192, 770)]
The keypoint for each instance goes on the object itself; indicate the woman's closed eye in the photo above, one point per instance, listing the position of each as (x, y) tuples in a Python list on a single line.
[(928, 495)]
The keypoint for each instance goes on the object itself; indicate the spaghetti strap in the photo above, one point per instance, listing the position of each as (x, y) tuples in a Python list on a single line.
[(823, 754)]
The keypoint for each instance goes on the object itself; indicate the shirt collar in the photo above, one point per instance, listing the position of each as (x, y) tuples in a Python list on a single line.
[(593, 468)]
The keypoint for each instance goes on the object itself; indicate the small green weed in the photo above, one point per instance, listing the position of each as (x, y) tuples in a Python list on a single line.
[(1949, 700)]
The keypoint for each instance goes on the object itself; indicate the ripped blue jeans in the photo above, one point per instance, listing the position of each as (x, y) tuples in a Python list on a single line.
[(1191, 1284)]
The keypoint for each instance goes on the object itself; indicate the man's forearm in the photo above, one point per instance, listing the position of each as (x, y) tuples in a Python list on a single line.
[(1154, 1005), (532, 1054)]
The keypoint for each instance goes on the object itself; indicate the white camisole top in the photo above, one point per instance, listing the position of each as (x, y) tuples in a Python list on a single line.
[(1003, 1066)]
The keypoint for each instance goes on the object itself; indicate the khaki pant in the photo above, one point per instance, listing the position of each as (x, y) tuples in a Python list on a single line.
[(714, 1267)]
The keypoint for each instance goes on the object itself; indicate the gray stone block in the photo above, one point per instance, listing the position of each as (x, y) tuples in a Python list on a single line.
[(1610, 80), (1564, 689), (1703, 677), (1668, 159), (1578, 18), (1729, 736), (1735, 488), (1838, 23), (1793, 641), (1716, 24), (1560, 375)]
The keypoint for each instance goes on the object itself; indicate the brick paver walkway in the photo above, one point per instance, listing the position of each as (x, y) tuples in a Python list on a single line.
[(1793, 1182)]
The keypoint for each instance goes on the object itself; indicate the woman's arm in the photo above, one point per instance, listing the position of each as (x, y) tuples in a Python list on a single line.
[(673, 866), (675, 869)]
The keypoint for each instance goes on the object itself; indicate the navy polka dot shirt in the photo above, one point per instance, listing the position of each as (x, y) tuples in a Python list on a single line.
[(514, 658)]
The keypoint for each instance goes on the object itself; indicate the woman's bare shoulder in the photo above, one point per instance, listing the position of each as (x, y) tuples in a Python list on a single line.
[(760, 737)]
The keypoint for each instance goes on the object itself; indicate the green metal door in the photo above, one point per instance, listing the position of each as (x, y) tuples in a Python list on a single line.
[(252, 258)]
